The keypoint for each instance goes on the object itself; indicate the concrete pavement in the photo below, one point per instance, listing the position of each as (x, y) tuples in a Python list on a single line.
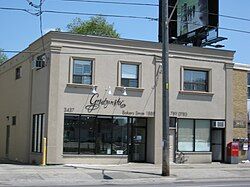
[(126, 174)]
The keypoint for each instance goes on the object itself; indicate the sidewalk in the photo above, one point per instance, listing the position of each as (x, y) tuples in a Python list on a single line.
[(178, 171), (131, 173)]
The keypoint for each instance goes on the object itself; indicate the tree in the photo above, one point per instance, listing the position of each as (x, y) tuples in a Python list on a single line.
[(97, 26), (3, 56)]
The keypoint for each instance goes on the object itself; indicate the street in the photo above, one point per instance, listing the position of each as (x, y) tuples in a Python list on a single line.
[(237, 183), (220, 183)]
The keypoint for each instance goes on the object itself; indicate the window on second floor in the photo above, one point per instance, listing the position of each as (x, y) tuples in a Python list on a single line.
[(82, 72), (130, 75), (18, 73), (195, 80)]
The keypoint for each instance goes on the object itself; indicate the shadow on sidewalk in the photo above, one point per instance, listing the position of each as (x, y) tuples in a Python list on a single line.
[(115, 170)]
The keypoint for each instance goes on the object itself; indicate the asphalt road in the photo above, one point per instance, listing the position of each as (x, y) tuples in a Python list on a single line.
[(214, 183), (220, 183)]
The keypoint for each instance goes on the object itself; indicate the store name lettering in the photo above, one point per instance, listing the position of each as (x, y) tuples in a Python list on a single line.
[(138, 113), (96, 103)]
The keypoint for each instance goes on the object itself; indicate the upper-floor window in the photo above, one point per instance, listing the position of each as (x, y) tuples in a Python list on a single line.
[(82, 71), (130, 75), (18, 72), (248, 85), (195, 80)]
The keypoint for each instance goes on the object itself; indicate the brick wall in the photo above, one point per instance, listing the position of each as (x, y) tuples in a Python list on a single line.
[(240, 107)]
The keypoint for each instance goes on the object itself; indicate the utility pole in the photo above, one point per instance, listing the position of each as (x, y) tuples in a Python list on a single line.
[(165, 89)]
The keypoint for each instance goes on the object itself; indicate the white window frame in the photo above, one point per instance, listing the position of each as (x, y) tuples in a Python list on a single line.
[(71, 70), (119, 77), (183, 68)]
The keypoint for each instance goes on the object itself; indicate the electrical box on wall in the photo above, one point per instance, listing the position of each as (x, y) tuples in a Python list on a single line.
[(219, 124)]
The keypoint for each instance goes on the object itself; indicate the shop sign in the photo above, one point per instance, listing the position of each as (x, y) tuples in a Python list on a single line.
[(239, 124), (138, 113), (95, 103)]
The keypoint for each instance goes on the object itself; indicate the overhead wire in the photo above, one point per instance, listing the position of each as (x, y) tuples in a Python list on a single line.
[(152, 5), (114, 2), (20, 9), (117, 16), (83, 13), (104, 15)]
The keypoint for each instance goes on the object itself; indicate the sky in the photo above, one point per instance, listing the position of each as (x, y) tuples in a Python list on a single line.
[(19, 29)]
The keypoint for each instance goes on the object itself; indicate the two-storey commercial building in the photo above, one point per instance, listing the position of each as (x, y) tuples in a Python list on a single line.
[(99, 100)]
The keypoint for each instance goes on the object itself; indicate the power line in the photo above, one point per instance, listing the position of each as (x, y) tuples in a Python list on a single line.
[(82, 13), (109, 2), (103, 15), (35, 5), (20, 9), (41, 26), (112, 2), (153, 5), (112, 15)]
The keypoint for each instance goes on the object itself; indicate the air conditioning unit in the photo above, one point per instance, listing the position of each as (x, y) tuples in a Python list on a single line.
[(219, 124)]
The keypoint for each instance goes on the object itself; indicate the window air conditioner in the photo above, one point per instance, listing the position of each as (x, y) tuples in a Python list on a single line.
[(219, 124)]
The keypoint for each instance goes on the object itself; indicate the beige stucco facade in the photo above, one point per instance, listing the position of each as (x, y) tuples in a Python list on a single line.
[(50, 91)]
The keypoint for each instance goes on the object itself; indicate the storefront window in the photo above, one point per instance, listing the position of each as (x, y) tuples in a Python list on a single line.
[(120, 138), (104, 135), (202, 135), (95, 135), (194, 135), (87, 135), (185, 135), (71, 134)]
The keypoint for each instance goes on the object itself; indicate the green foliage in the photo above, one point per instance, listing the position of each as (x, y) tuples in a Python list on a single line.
[(97, 26), (58, 29), (3, 56)]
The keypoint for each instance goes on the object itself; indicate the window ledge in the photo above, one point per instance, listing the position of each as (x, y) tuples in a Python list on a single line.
[(74, 85), (196, 93), (130, 89)]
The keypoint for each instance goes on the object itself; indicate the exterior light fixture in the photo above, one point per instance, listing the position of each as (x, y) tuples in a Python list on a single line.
[(124, 91), (94, 90), (109, 90)]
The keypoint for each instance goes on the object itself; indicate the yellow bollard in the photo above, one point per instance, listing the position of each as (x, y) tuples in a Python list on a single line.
[(44, 151)]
